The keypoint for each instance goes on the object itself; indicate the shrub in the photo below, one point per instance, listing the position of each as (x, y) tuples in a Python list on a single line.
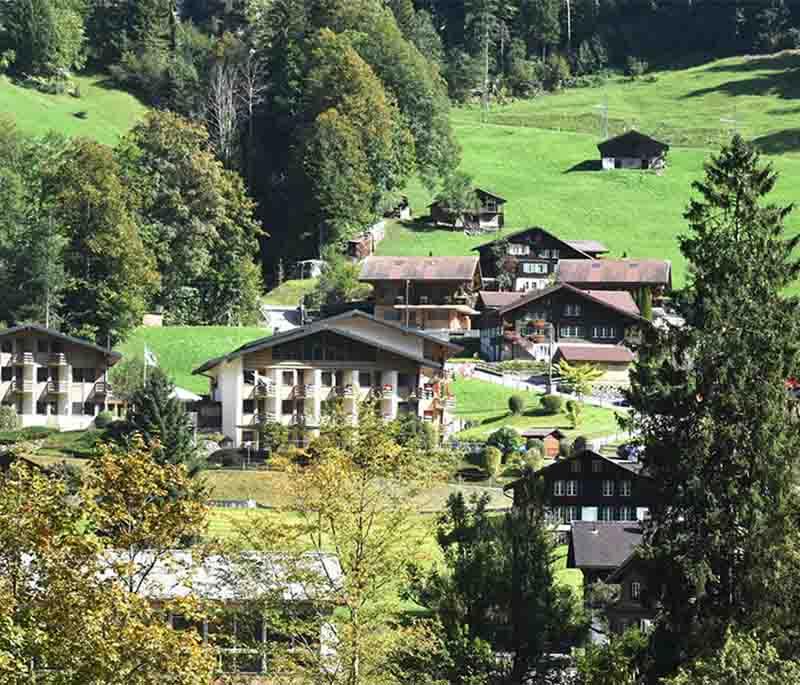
[(535, 446), (564, 448), (635, 67), (574, 409), (516, 404), (104, 419), (506, 439), (83, 114), (491, 458), (552, 404), (8, 418), (581, 444), (533, 460)]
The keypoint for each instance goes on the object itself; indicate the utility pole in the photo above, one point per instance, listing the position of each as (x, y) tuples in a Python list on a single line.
[(569, 23)]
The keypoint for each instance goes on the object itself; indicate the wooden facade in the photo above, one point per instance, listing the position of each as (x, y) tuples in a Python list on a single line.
[(534, 254), (487, 213), (636, 604)]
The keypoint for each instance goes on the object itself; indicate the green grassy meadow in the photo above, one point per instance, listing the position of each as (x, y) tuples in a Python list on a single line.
[(487, 403), (539, 155), (290, 292), (180, 349), (110, 113)]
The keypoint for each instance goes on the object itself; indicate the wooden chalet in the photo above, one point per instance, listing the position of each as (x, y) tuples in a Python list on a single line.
[(428, 293), (533, 256), (533, 325), (487, 213), (550, 437), (613, 360), (636, 604), (633, 150), (588, 487)]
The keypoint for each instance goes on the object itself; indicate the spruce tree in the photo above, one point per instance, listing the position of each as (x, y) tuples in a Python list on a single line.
[(156, 414), (710, 403)]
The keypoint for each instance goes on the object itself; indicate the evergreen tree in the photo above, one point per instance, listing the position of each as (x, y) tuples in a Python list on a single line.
[(29, 29), (710, 403), (156, 414)]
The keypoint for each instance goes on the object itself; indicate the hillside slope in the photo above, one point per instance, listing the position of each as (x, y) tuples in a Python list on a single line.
[(110, 113)]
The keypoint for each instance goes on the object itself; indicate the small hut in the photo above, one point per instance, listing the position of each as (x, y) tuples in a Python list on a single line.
[(633, 150)]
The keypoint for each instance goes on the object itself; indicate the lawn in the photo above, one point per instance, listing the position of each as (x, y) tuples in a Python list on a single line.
[(487, 403), (180, 349), (110, 113), (542, 171), (289, 293)]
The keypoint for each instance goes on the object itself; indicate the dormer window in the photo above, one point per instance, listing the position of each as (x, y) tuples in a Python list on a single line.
[(572, 310)]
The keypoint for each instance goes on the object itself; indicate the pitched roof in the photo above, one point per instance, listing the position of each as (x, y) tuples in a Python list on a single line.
[(419, 269), (603, 544), (632, 144), (568, 243), (497, 300), (615, 302), (615, 271), (618, 299), (589, 352), (330, 324), (593, 246), (542, 433), (113, 356), (483, 191)]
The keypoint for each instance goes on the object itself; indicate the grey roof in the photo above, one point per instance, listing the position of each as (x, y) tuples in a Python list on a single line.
[(542, 433), (419, 269), (113, 356), (593, 246), (329, 324), (627, 272), (603, 544), (632, 144)]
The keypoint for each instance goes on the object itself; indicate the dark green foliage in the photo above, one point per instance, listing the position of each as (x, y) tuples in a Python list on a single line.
[(535, 447), (552, 404), (506, 439), (103, 419), (710, 403), (616, 661), (272, 435), (635, 67), (9, 420), (491, 460), (157, 415), (339, 282), (516, 404), (412, 429), (564, 448), (579, 445)]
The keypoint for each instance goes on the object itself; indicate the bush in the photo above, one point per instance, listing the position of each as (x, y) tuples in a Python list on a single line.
[(535, 446), (516, 404), (574, 409), (491, 459), (564, 448), (104, 419), (533, 460), (581, 444), (552, 404), (506, 439), (635, 67), (9, 420)]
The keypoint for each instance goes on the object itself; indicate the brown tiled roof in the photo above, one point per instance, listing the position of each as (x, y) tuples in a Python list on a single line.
[(592, 246), (614, 302), (603, 544), (595, 353), (542, 433), (615, 271), (419, 268), (618, 299), (574, 244), (497, 300), (632, 144)]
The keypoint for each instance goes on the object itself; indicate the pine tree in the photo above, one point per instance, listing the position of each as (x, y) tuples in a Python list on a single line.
[(710, 403), (156, 414)]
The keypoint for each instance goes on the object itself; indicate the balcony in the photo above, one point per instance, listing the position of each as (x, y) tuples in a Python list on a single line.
[(265, 388), (265, 417), (301, 392), (102, 388), (384, 391), (58, 387), (23, 359), (304, 420), (21, 386), (57, 359)]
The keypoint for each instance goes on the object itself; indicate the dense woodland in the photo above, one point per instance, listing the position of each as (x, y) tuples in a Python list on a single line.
[(317, 113)]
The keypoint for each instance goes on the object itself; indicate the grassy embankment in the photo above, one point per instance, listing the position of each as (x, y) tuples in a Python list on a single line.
[(541, 154)]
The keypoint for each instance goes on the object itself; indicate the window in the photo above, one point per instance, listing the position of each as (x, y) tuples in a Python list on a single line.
[(572, 310), (42, 375), (250, 376), (88, 408), (534, 268), (7, 374), (248, 406), (597, 466), (554, 515), (77, 408), (518, 249), (327, 378), (7, 347), (248, 436), (604, 332), (77, 375), (391, 315), (43, 346), (41, 408), (287, 407), (636, 590), (627, 513), (575, 466), (404, 380), (608, 488), (288, 377), (572, 488), (364, 379), (573, 514), (625, 488), (558, 488), (606, 513), (571, 331)]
